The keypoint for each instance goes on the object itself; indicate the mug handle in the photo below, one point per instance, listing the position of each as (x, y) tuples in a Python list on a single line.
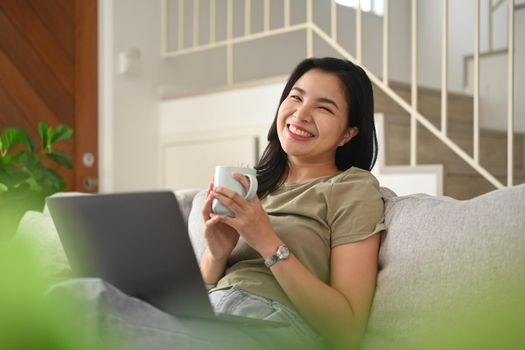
[(252, 191)]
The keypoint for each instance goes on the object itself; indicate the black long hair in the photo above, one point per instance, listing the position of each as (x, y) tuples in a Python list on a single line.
[(360, 151)]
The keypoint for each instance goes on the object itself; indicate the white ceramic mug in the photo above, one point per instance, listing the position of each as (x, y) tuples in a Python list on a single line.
[(223, 178)]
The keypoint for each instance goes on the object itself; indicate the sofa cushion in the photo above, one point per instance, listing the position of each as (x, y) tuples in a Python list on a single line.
[(38, 231), (196, 224), (185, 198), (444, 264)]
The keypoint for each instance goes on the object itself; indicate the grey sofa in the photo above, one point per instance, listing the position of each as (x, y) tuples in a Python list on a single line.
[(451, 273)]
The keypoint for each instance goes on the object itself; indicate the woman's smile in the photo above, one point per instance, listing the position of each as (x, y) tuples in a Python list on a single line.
[(299, 134)]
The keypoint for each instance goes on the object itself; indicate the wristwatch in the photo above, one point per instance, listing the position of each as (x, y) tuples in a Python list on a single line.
[(282, 253)]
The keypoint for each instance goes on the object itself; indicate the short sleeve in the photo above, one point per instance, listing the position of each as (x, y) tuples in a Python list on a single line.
[(356, 208)]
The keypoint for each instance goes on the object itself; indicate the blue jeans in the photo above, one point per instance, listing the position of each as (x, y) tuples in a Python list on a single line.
[(236, 301), (123, 322)]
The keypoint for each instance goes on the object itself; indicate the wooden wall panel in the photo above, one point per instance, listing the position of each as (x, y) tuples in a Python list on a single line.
[(68, 6), (36, 72), (57, 20), (43, 41), (11, 115), (22, 93)]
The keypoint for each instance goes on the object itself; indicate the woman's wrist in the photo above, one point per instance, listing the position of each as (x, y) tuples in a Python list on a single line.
[(212, 269), (269, 247)]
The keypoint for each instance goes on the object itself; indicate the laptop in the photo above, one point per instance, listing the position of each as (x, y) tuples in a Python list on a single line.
[(138, 242)]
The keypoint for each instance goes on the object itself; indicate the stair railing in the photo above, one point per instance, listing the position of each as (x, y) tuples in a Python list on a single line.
[(382, 83)]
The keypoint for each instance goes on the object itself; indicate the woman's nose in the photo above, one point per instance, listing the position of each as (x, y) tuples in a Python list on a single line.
[(303, 113)]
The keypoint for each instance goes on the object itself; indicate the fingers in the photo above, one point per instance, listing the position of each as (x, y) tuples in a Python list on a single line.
[(212, 219), (232, 194), (207, 207), (242, 179), (234, 204), (216, 219)]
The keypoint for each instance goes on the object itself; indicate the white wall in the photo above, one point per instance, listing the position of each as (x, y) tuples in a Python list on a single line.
[(226, 109), (129, 102)]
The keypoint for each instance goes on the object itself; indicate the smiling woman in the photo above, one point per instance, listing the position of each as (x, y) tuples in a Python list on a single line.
[(303, 251), (317, 202)]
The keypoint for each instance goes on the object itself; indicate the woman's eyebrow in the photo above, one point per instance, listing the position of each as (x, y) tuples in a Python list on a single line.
[(327, 100), (299, 90), (320, 99)]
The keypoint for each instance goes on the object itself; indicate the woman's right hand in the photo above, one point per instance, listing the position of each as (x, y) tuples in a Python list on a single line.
[(220, 238)]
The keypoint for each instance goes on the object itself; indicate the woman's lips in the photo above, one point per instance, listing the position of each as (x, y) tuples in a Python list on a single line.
[(298, 133)]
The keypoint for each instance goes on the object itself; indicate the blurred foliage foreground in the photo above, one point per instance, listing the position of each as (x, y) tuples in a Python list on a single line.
[(28, 320)]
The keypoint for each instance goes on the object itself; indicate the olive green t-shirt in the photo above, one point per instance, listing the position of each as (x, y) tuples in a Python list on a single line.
[(311, 218)]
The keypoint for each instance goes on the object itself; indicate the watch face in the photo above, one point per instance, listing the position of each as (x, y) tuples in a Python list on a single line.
[(283, 252)]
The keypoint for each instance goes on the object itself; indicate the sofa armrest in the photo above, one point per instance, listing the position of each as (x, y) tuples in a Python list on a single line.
[(185, 199)]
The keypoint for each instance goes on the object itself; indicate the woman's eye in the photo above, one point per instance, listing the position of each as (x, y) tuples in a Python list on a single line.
[(295, 98), (326, 109)]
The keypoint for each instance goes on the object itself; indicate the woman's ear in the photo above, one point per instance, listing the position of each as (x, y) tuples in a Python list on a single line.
[(349, 134)]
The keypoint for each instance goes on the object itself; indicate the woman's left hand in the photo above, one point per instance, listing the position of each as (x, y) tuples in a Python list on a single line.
[(250, 221)]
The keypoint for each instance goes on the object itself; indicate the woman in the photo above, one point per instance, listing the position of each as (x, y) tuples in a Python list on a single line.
[(309, 242), (304, 251)]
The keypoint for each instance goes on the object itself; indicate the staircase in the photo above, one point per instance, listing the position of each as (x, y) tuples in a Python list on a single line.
[(465, 175), (460, 180)]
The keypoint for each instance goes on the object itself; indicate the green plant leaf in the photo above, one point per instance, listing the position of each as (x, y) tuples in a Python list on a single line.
[(26, 139), (12, 137), (7, 159), (24, 179), (12, 176), (62, 133), (60, 158), (50, 136), (28, 159), (42, 131), (51, 182), (15, 159), (59, 182)]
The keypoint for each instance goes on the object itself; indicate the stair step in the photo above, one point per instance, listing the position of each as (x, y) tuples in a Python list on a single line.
[(493, 145), (460, 106)]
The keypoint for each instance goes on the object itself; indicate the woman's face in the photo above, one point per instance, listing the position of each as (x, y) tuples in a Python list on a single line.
[(312, 120)]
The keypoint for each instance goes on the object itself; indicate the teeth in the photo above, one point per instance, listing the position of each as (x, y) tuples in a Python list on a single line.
[(299, 132)]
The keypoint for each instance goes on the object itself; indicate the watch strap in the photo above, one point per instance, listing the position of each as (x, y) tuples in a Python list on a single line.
[(281, 254)]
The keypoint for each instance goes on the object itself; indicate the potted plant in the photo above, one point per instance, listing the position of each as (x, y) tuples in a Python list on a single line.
[(25, 181)]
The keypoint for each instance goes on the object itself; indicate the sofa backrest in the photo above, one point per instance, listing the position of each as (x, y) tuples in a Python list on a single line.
[(447, 268)]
